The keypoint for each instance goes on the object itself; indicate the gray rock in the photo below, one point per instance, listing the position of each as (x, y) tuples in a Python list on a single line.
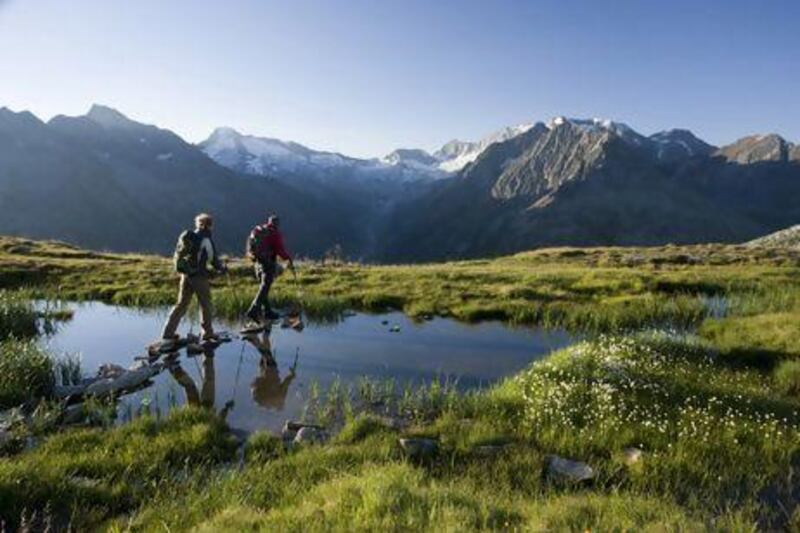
[(419, 448), (128, 380), (489, 450), (10, 417), (393, 423), (567, 469), (310, 435), (74, 414), (294, 426), (631, 455), (65, 391), (110, 371)]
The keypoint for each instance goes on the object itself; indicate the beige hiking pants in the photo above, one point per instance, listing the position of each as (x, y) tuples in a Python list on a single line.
[(190, 286)]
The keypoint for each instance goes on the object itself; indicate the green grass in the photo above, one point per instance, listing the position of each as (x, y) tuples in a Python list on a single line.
[(712, 402), (600, 289), (17, 316), (86, 476), (27, 373), (720, 446)]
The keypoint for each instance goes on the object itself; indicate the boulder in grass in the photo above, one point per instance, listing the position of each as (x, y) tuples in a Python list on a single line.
[(631, 455), (291, 428), (568, 470), (310, 435), (489, 450), (419, 448), (74, 414)]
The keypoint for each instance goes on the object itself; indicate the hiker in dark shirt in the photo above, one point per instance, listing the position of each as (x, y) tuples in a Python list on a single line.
[(195, 259), (264, 247)]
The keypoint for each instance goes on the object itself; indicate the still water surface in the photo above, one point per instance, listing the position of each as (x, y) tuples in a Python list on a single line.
[(266, 395)]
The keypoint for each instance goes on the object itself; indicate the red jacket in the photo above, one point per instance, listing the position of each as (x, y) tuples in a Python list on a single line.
[(272, 242)]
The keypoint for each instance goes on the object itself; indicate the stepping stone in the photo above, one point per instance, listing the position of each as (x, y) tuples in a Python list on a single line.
[(194, 349), (128, 381), (253, 329)]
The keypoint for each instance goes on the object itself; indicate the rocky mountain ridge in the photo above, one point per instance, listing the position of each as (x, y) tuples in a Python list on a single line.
[(103, 180)]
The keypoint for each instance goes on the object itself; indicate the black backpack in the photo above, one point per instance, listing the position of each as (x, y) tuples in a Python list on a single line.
[(187, 253), (258, 249)]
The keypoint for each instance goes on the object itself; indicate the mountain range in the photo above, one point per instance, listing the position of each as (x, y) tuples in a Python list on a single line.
[(105, 181)]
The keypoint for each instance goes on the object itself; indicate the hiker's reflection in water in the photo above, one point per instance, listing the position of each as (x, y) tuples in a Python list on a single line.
[(204, 396), (267, 388)]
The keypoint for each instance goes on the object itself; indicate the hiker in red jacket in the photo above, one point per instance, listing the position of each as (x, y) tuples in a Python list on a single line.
[(264, 247)]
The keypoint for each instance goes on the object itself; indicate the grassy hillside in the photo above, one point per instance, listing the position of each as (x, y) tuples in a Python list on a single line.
[(711, 400)]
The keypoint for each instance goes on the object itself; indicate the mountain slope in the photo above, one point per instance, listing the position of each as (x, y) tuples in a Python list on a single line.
[(105, 181)]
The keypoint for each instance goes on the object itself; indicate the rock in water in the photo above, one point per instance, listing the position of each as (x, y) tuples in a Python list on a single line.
[(125, 382), (419, 448), (576, 471), (110, 370)]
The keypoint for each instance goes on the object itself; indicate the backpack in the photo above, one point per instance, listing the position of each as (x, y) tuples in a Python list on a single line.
[(258, 247), (187, 253)]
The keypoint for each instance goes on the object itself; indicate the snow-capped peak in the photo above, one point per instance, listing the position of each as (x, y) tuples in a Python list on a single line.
[(598, 125), (590, 124), (456, 154)]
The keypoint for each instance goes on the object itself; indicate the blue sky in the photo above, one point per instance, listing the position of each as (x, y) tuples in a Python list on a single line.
[(365, 77)]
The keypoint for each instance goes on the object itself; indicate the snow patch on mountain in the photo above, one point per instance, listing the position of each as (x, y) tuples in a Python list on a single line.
[(598, 125), (267, 156), (456, 154)]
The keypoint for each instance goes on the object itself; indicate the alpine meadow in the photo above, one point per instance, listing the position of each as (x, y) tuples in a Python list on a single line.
[(564, 323)]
